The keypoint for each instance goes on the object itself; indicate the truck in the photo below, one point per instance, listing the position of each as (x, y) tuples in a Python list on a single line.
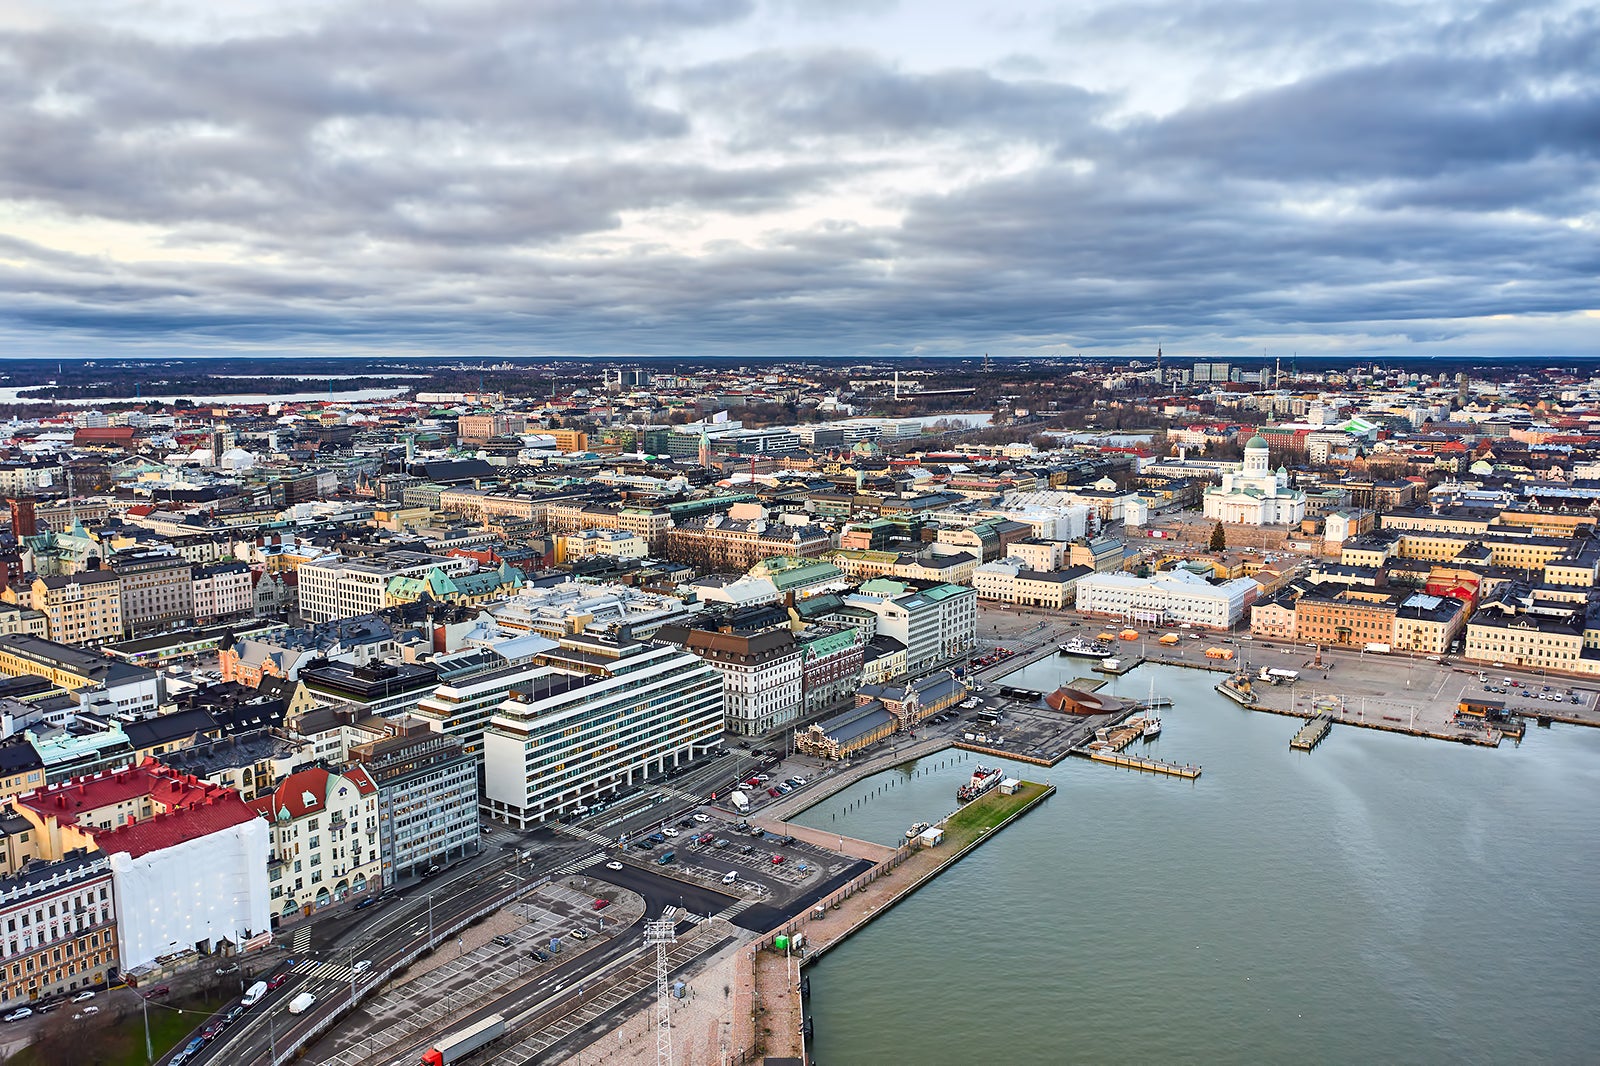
[(252, 997), (463, 1042), (1378, 648), (301, 1003), (740, 801)]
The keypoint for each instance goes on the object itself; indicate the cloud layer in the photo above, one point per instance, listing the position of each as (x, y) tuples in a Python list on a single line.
[(616, 176)]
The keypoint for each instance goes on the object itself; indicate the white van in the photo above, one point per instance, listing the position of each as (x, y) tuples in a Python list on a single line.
[(301, 1003), (730, 877), (253, 996)]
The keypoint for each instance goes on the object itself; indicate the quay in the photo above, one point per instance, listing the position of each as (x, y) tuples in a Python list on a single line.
[(1139, 762), (771, 979), (1312, 733)]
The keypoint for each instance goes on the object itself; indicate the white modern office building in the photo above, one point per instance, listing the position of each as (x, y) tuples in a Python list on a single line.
[(604, 715), (1170, 597)]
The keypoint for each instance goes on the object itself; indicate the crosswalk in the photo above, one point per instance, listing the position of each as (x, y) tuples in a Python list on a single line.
[(300, 943), (325, 971), (727, 913), (581, 863), (585, 834)]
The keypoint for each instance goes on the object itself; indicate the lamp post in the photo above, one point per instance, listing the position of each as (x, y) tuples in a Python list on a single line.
[(430, 921), (144, 1008)]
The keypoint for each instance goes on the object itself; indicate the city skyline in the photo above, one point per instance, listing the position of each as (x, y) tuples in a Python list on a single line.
[(778, 179)]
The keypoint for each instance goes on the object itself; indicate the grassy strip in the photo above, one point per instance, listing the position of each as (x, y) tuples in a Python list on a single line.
[(108, 1042), (983, 814)]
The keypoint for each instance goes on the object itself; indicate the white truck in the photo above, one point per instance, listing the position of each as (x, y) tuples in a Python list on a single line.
[(301, 1003), (740, 801), (1378, 648), (463, 1042)]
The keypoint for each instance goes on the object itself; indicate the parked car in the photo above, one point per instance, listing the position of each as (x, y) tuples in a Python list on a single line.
[(19, 1014), (669, 831), (702, 817), (774, 793), (88, 1012), (601, 904), (579, 934), (777, 860), (370, 901), (84, 996), (158, 991)]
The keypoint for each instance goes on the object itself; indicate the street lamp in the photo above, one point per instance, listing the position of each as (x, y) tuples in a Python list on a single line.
[(430, 921)]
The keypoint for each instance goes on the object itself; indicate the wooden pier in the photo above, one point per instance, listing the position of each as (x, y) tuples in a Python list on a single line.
[(1139, 762), (1312, 733)]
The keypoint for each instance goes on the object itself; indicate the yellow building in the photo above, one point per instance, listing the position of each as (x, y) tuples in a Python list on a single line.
[(80, 609)]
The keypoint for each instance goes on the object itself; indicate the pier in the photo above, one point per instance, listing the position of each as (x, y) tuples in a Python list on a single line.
[(1139, 762), (1312, 733)]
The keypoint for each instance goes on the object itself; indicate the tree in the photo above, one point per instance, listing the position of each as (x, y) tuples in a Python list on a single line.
[(1219, 538)]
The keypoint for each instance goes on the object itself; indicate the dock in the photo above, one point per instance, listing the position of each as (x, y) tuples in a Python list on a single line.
[(1139, 762), (1312, 733)]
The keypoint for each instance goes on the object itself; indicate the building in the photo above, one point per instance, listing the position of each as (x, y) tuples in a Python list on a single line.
[(58, 928), (324, 839), (1171, 597), (376, 688), (761, 675), (339, 587), (427, 796), (83, 609), (188, 859), (1255, 495), (587, 542), (127, 688), (742, 538), (223, 591), (935, 622), (1009, 581), (607, 715), (157, 590), (830, 666)]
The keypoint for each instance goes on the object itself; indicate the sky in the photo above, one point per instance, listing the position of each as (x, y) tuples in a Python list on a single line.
[(799, 177)]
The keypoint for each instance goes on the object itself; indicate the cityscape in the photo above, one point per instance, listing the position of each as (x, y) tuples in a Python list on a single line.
[(753, 533)]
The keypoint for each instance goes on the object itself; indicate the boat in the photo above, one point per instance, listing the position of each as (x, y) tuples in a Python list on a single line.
[(917, 830), (1152, 727), (1086, 649), (983, 779)]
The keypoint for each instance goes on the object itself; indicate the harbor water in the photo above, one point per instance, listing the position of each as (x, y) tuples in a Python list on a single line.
[(1382, 898)]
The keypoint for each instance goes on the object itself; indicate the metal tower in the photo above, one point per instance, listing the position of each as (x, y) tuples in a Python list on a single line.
[(660, 933)]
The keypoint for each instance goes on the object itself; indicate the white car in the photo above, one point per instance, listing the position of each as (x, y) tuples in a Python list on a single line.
[(579, 934), (84, 995), (730, 877), (669, 831), (613, 865), (19, 1014), (85, 1013), (702, 817)]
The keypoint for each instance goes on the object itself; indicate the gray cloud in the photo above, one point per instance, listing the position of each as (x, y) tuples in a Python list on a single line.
[(632, 176)]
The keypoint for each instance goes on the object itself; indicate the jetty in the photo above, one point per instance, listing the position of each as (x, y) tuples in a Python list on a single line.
[(1312, 733), (1139, 762)]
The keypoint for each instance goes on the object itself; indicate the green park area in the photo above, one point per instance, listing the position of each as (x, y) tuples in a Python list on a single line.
[(108, 1040), (985, 814)]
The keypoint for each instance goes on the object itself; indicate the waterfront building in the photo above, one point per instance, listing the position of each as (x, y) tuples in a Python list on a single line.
[(935, 622), (605, 714), (1170, 597)]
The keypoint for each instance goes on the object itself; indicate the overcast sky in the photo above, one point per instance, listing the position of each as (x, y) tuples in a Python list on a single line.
[(799, 177)]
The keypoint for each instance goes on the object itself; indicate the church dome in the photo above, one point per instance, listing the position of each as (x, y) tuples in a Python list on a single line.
[(1257, 441)]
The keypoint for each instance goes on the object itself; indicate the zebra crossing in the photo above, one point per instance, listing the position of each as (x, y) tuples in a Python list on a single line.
[(581, 863), (325, 971), (300, 943), (585, 834), (727, 913)]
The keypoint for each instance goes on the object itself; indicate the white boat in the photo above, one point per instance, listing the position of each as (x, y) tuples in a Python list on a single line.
[(917, 830), (1152, 727), (1084, 648)]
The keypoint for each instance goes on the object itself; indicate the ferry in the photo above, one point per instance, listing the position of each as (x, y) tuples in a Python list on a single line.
[(917, 830), (983, 779), (1084, 648)]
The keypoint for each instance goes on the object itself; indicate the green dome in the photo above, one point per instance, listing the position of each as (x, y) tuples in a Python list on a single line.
[(1257, 441)]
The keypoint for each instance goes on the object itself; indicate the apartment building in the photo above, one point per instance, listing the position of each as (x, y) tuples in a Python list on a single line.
[(427, 796), (324, 839), (223, 591), (83, 609), (761, 675), (341, 587), (606, 715), (58, 928), (741, 539), (157, 590)]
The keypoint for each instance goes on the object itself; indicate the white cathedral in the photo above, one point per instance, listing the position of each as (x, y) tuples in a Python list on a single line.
[(1255, 495)]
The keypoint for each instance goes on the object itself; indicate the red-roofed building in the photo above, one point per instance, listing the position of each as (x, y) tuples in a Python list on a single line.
[(104, 437), (324, 839), (188, 857)]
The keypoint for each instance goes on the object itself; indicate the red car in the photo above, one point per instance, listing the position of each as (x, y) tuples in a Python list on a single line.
[(277, 982), (705, 838), (601, 904), (773, 792), (777, 860), (158, 990)]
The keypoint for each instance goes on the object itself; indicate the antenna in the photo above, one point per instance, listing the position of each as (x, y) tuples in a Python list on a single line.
[(660, 934)]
